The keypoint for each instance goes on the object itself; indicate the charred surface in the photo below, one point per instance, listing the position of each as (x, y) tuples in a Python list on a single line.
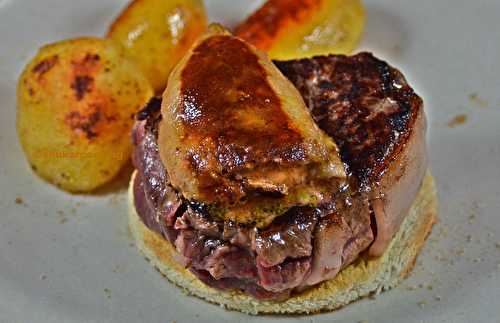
[(365, 105), (264, 25)]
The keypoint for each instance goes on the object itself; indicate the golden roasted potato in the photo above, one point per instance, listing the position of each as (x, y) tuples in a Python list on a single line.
[(157, 33), (76, 102), (289, 29)]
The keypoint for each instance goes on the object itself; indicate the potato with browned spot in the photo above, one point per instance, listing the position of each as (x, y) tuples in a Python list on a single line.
[(76, 101), (157, 33), (288, 29)]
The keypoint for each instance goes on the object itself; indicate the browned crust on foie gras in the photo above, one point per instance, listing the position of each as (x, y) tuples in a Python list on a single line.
[(235, 131)]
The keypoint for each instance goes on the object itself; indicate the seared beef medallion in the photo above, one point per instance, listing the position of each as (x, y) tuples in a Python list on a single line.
[(377, 122)]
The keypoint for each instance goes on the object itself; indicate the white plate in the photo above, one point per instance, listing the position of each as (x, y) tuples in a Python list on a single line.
[(69, 258)]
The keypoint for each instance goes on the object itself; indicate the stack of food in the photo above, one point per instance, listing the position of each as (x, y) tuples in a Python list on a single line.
[(286, 186)]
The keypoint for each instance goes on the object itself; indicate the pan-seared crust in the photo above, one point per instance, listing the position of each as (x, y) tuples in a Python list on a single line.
[(362, 278), (365, 105), (377, 121)]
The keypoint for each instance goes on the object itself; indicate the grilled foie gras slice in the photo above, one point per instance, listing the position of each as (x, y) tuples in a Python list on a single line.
[(236, 135), (379, 124)]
